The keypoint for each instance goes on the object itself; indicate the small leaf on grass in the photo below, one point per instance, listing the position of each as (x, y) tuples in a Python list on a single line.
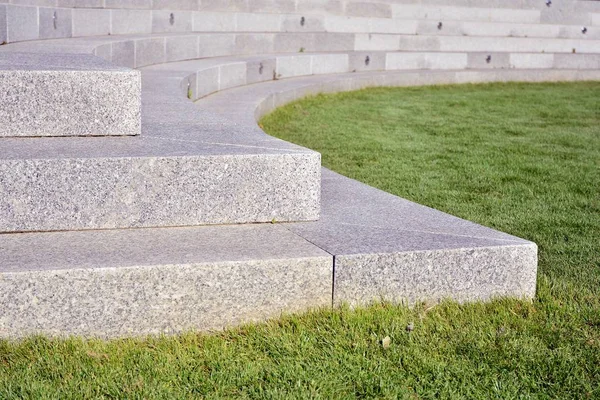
[(385, 342)]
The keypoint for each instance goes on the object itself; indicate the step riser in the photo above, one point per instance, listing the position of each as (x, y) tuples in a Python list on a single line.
[(160, 299), (81, 103), (215, 78), (67, 95), (478, 274), (68, 194)]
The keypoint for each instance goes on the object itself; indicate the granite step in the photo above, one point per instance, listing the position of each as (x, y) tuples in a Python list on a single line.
[(187, 168), (368, 246), (67, 95)]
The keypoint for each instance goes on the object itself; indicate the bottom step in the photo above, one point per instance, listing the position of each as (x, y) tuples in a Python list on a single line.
[(373, 245)]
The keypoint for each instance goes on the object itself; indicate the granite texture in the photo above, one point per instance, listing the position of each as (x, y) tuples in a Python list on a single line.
[(156, 281), (461, 274), (187, 168), (76, 96), (102, 193), (387, 248)]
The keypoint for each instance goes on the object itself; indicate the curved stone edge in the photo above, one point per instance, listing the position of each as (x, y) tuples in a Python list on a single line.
[(373, 242), (253, 102)]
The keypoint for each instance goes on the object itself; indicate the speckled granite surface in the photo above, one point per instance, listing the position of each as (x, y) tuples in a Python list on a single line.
[(389, 248), (189, 167), (151, 281), (368, 246), (67, 95)]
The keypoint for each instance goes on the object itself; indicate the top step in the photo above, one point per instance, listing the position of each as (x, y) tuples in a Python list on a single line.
[(67, 95)]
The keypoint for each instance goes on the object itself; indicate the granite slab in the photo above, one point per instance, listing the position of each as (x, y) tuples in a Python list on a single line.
[(67, 95), (156, 281)]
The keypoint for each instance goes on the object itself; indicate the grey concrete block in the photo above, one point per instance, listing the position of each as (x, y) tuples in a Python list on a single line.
[(300, 23), (329, 6), (21, 23), (128, 4), (290, 66), (247, 22), (189, 86), (224, 5), (213, 22), (104, 51), (150, 51), (333, 42), (80, 3), (330, 64), (458, 13), (294, 42), (171, 21), (260, 70), (123, 53), (91, 22), (272, 6), (531, 61), (437, 61), (39, 3), (232, 75), (371, 10), (176, 4), (253, 43), (67, 95), (367, 61), (3, 32), (488, 60), (335, 23), (128, 22), (157, 281), (55, 23), (565, 13), (375, 42), (431, 27), (207, 81), (181, 48), (577, 61), (217, 44), (415, 43)]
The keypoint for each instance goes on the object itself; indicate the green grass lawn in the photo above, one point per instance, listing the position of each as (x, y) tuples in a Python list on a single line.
[(522, 158)]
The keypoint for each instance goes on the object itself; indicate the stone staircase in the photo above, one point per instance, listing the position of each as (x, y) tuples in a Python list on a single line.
[(99, 134)]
